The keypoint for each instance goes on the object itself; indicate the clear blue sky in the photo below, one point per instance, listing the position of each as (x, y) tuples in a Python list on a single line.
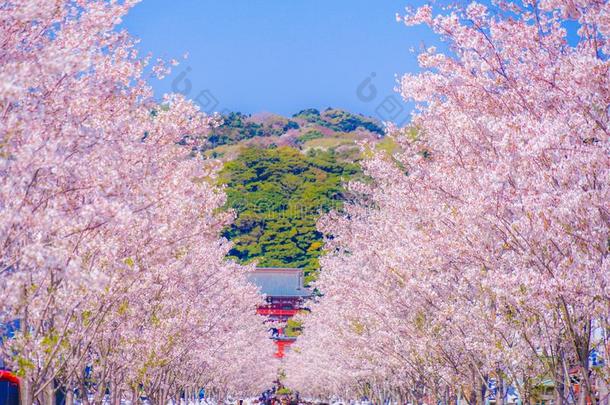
[(282, 55)]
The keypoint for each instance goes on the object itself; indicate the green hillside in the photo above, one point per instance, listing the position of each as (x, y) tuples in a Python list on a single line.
[(307, 129), (278, 194), (281, 174)]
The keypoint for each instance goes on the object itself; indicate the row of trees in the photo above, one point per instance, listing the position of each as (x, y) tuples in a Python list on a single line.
[(478, 255), (110, 258)]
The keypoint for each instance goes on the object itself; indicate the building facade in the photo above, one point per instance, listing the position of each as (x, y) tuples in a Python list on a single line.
[(285, 295)]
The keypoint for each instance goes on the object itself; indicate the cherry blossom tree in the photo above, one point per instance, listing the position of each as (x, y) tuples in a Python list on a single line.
[(111, 258), (478, 254)]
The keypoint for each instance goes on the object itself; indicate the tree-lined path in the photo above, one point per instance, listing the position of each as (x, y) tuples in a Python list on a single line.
[(470, 263)]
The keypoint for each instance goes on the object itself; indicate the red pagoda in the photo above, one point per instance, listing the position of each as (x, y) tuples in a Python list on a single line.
[(285, 296)]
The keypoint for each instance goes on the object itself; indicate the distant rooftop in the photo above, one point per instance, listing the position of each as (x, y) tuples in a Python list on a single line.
[(279, 282)]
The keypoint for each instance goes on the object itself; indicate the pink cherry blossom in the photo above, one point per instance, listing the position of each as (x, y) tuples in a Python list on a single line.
[(111, 257), (479, 252)]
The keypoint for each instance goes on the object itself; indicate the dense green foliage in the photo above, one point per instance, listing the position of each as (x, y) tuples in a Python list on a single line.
[(339, 120), (308, 136), (278, 195)]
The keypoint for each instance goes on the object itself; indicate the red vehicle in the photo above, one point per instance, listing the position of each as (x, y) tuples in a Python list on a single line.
[(9, 383), (9, 388)]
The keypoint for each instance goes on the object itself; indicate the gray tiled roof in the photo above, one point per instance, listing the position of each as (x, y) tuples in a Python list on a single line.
[(279, 282)]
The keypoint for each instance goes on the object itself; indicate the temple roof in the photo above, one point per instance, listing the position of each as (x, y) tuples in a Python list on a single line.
[(279, 282)]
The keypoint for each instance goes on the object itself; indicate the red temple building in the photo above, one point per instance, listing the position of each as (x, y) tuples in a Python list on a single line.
[(285, 296)]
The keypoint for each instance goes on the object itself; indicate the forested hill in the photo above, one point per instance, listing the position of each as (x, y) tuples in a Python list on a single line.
[(308, 129), (281, 174)]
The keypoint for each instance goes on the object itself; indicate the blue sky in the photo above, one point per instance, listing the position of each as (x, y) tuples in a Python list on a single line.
[(282, 55)]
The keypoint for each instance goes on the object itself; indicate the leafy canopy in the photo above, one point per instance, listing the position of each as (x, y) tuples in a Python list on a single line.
[(278, 195)]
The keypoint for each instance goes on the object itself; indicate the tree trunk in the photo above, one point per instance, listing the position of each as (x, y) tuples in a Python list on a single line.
[(69, 396), (480, 393), (115, 398), (100, 394), (25, 392), (49, 394), (525, 395), (499, 389), (560, 378), (478, 389), (472, 398), (602, 387), (134, 396)]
